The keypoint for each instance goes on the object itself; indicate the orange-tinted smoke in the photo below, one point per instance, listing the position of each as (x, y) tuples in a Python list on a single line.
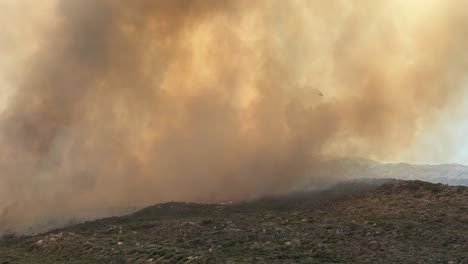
[(137, 102)]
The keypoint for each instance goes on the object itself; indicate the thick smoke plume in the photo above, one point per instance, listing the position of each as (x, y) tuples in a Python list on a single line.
[(128, 103)]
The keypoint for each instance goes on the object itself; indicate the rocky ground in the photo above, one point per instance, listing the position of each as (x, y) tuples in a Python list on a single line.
[(399, 222)]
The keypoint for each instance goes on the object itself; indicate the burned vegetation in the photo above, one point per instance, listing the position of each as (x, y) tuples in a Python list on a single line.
[(397, 222)]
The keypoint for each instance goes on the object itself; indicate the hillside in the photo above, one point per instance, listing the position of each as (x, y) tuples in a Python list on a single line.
[(323, 174), (398, 222)]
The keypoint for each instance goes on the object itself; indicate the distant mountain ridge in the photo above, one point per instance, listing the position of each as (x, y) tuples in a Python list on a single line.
[(358, 168)]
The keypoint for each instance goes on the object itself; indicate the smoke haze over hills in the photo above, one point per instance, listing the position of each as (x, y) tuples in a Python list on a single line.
[(128, 103)]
